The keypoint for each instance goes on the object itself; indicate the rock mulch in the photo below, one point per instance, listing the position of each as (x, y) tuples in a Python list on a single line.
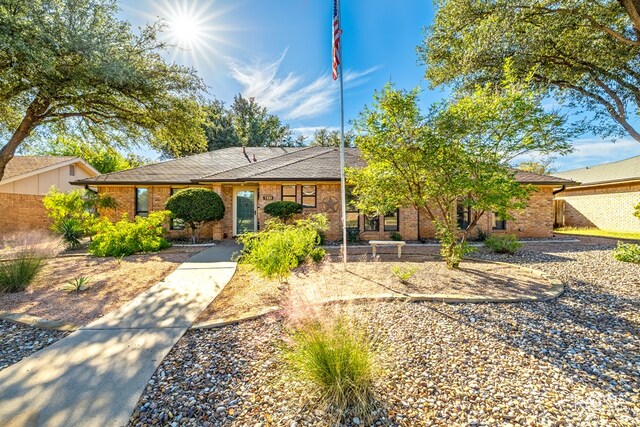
[(20, 341), (574, 360)]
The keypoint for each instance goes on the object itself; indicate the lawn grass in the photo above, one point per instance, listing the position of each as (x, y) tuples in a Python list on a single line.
[(598, 233)]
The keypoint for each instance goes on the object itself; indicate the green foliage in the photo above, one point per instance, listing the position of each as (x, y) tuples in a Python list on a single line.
[(18, 273), (245, 123), (403, 273), (503, 243), (74, 214), (458, 152), (104, 158), (636, 211), (126, 237), (627, 252), (283, 210), (73, 68), (584, 53), (452, 250), (317, 254), (78, 283), (324, 137), (482, 234), (277, 249), (542, 167), (336, 358), (71, 231), (396, 236), (353, 236), (195, 206)]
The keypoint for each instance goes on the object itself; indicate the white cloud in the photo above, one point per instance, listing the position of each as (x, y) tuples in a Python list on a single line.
[(291, 95), (308, 131), (594, 151)]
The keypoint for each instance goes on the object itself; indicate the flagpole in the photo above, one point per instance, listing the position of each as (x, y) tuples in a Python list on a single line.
[(342, 163)]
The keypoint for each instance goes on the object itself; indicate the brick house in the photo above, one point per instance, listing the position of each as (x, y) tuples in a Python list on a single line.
[(25, 182), (604, 199), (248, 180)]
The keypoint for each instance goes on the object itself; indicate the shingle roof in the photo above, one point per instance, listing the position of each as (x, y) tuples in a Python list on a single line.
[(623, 170), (21, 165), (273, 164)]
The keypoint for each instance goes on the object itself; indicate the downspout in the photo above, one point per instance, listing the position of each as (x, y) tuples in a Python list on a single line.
[(564, 187)]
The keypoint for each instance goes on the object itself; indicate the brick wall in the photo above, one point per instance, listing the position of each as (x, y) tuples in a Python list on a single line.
[(608, 207), (22, 212)]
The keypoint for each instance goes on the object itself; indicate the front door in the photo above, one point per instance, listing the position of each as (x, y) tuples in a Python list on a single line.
[(245, 208)]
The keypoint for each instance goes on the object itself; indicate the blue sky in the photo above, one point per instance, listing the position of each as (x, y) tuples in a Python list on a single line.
[(279, 51)]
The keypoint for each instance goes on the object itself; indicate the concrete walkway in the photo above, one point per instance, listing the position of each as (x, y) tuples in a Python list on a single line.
[(95, 376)]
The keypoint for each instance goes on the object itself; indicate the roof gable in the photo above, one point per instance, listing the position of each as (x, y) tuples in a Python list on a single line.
[(622, 170), (20, 167)]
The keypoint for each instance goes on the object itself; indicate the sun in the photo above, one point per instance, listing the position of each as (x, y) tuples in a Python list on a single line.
[(187, 26)]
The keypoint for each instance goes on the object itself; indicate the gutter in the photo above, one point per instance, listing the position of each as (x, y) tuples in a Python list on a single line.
[(564, 187)]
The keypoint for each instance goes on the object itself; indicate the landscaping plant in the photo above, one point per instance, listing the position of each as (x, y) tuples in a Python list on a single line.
[(283, 210), (23, 257), (627, 252), (77, 284), (70, 230), (353, 235), (335, 356), (503, 244), (280, 247), (127, 237), (196, 206), (482, 234), (396, 236), (403, 273)]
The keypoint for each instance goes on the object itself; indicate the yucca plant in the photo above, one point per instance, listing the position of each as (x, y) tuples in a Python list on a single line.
[(71, 231), (336, 358), (78, 283), (403, 273)]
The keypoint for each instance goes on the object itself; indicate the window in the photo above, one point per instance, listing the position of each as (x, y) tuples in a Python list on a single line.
[(392, 221), (309, 196), (353, 216), (176, 223), (464, 216), (289, 193), (72, 170), (371, 223), (498, 223), (142, 201)]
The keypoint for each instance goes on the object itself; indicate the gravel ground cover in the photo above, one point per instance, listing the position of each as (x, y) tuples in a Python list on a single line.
[(19, 341), (572, 361)]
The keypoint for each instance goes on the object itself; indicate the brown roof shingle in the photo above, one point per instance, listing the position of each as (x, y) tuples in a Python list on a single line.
[(21, 165)]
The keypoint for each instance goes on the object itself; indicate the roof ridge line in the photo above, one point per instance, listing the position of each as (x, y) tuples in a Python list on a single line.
[(258, 162), (300, 160)]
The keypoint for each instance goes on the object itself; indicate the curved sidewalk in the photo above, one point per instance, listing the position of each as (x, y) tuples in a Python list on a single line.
[(95, 376)]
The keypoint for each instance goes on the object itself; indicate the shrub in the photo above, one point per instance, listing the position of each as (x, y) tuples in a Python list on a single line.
[(71, 231), (283, 210), (353, 235), (277, 249), (77, 284), (451, 249), (503, 244), (482, 234), (128, 237), (396, 236), (317, 254), (195, 206), (336, 358), (627, 252), (403, 273)]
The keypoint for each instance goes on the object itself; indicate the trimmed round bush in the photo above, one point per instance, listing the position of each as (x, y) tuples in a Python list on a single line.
[(195, 206), (283, 210)]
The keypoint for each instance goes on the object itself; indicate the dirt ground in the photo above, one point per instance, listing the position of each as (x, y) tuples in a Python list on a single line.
[(248, 294), (112, 283)]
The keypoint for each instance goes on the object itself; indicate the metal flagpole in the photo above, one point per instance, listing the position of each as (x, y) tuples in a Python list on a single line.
[(342, 163)]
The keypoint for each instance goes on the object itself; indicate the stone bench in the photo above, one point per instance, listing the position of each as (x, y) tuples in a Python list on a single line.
[(375, 243)]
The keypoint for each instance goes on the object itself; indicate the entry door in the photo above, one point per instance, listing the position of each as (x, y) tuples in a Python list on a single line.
[(245, 204)]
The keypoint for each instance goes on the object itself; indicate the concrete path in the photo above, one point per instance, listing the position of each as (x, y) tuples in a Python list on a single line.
[(95, 376)]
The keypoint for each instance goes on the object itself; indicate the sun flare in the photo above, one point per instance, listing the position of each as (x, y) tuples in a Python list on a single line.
[(187, 27)]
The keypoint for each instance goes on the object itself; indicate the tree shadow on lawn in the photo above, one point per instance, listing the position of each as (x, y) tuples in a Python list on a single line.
[(583, 333)]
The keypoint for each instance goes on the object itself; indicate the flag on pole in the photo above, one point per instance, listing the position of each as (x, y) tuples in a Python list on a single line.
[(336, 40)]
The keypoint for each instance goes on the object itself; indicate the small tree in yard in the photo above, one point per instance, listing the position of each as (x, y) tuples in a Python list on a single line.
[(195, 206), (283, 210), (457, 153)]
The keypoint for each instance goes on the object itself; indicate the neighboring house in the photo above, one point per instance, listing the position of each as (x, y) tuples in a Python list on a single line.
[(604, 199), (25, 182), (250, 179)]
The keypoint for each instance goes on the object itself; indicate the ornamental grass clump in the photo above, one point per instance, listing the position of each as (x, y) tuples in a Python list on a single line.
[(23, 257), (334, 356)]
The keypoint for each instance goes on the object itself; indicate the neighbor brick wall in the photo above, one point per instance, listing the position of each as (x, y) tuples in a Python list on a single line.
[(608, 207), (22, 212)]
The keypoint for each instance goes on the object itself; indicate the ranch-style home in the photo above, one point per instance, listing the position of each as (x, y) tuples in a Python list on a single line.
[(605, 197), (249, 179), (25, 182)]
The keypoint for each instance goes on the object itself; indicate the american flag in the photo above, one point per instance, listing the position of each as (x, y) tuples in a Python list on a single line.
[(336, 40)]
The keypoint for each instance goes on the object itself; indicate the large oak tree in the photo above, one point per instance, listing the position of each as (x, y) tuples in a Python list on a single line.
[(70, 67), (584, 52)]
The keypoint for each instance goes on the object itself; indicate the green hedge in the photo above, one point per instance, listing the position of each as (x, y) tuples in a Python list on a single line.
[(283, 210)]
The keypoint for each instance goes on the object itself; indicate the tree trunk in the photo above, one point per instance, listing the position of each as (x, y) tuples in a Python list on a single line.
[(30, 120)]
